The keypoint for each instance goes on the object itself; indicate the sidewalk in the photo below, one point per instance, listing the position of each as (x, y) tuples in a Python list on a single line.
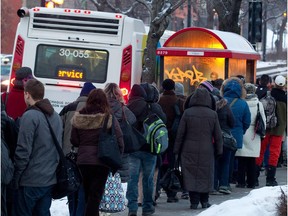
[(182, 207)]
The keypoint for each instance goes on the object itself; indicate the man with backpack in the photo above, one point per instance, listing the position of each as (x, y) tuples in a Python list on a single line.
[(173, 108), (141, 103), (274, 130)]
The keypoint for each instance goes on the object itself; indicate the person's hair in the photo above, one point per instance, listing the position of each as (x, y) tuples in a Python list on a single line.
[(242, 78), (35, 88), (265, 80), (112, 90), (97, 102)]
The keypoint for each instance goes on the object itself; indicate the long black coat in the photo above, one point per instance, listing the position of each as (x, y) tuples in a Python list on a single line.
[(199, 139)]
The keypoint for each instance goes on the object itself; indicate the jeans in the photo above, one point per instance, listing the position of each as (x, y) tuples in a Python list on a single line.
[(76, 202), (146, 162), (34, 201), (223, 168)]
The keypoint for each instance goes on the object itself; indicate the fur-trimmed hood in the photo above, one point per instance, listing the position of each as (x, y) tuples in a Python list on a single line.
[(90, 121)]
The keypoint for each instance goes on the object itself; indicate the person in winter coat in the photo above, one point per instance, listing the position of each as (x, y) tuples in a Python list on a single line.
[(76, 201), (274, 135), (7, 166), (226, 121), (251, 142), (234, 92), (265, 85), (167, 101), (143, 159), (14, 102), (121, 112), (87, 125), (198, 142), (36, 157)]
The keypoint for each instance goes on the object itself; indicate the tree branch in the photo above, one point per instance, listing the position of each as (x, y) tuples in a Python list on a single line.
[(146, 4), (118, 10)]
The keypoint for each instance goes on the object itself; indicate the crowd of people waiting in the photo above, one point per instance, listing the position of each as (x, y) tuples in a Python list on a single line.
[(29, 160)]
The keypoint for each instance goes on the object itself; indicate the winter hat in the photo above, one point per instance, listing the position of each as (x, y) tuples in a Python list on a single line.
[(250, 88), (179, 89), (23, 72), (280, 80), (87, 87), (168, 84), (208, 85)]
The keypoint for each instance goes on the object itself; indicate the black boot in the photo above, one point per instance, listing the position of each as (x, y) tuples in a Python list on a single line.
[(270, 179), (258, 169)]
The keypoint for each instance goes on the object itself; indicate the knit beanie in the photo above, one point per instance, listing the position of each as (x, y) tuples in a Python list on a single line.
[(168, 84), (250, 88), (87, 87), (208, 85), (179, 88)]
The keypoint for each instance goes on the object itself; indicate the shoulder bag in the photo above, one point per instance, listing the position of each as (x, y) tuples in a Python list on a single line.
[(108, 149), (68, 174), (259, 124), (133, 139), (229, 141)]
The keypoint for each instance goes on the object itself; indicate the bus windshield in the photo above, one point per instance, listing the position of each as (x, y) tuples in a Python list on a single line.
[(71, 63)]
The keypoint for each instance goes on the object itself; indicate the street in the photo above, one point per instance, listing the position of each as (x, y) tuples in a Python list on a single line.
[(182, 207)]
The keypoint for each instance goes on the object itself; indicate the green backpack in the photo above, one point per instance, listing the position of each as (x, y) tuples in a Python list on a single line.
[(155, 133)]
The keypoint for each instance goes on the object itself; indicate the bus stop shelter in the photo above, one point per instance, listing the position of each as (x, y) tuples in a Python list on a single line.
[(193, 55)]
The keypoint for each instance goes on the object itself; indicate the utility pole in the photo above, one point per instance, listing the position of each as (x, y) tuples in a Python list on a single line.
[(264, 32), (189, 13)]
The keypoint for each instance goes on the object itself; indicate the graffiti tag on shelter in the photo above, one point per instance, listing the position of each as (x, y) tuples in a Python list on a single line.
[(193, 75)]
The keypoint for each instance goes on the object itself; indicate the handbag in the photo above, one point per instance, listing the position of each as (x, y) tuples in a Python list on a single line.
[(172, 179), (229, 141), (133, 139), (108, 149), (259, 124), (68, 175), (113, 199)]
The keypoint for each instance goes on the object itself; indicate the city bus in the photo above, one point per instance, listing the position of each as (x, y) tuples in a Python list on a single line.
[(67, 47)]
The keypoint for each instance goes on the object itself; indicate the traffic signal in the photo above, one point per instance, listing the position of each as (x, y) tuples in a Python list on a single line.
[(255, 22)]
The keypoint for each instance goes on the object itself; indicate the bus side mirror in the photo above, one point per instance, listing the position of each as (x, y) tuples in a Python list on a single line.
[(23, 12)]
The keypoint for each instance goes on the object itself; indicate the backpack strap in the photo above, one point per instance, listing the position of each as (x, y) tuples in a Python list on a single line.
[(233, 102)]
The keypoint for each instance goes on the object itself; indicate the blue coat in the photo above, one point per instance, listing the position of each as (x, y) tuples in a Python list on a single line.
[(240, 110)]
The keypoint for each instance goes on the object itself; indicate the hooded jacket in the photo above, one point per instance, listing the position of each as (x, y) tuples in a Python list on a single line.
[(251, 141), (232, 89), (86, 129), (199, 139), (36, 157)]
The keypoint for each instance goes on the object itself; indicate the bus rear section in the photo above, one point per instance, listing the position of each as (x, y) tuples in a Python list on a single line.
[(67, 47)]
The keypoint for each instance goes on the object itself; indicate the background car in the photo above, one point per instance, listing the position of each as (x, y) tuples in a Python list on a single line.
[(6, 60)]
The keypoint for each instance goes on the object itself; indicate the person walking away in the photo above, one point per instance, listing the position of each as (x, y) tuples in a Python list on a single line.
[(76, 201), (14, 102), (87, 125), (274, 135), (7, 160), (120, 111), (167, 102), (251, 142), (36, 158), (265, 85), (226, 121), (199, 128), (234, 92), (143, 159)]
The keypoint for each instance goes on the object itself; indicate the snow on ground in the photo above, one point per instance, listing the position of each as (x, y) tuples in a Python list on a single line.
[(259, 202)]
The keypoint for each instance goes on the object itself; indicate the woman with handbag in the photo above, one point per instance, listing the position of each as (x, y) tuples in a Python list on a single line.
[(251, 142), (226, 121), (198, 142), (87, 126), (121, 113)]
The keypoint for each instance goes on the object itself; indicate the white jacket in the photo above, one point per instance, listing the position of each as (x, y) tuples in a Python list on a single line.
[(252, 141)]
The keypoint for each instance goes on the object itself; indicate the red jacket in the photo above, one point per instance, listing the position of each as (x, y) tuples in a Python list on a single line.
[(14, 103)]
